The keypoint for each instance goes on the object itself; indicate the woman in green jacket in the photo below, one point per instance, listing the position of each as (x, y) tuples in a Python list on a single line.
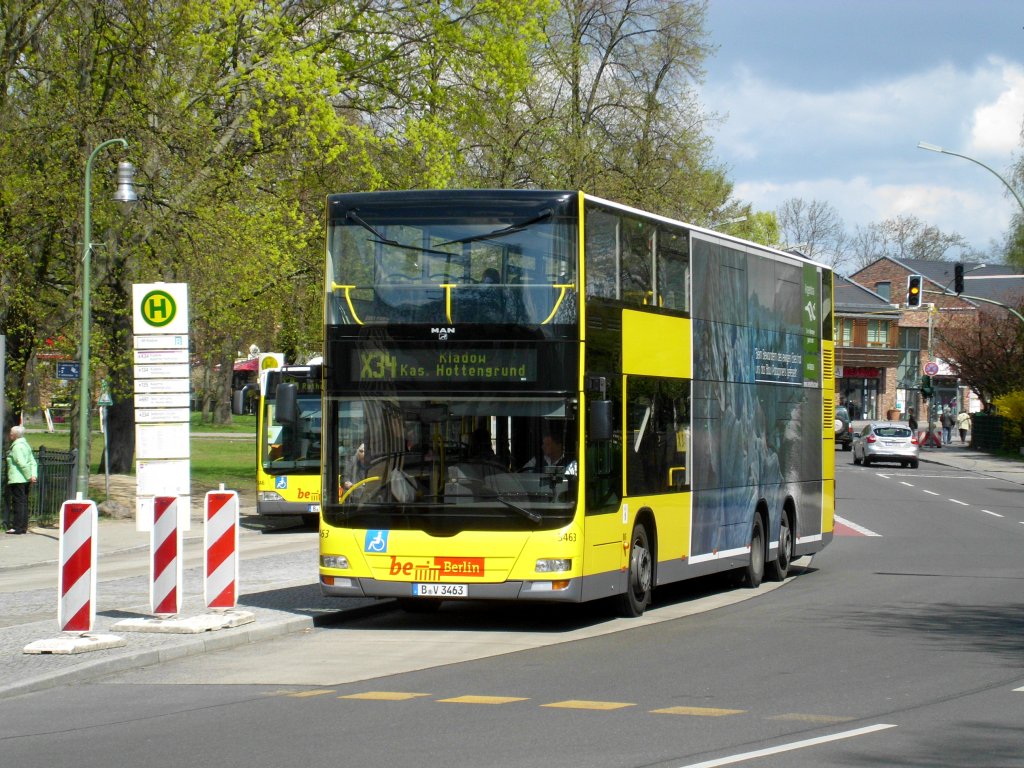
[(21, 470)]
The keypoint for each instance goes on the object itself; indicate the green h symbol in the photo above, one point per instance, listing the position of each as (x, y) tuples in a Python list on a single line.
[(158, 308)]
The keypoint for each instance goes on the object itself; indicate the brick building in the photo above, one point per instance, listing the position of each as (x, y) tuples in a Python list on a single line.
[(911, 340)]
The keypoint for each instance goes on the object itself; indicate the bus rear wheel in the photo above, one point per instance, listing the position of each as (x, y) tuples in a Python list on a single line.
[(778, 568), (753, 574), (640, 579)]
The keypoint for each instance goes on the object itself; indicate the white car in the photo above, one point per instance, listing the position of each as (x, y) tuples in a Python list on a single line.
[(886, 441)]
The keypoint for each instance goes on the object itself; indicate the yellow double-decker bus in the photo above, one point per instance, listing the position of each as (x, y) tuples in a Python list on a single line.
[(543, 395), (288, 426)]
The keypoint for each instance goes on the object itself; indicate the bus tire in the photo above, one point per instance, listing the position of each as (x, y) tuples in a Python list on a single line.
[(640, 578), (753, 574), (778, 568)]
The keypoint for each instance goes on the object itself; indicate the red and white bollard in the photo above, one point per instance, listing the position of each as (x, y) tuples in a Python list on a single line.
[(76, 608), (165, 564), (220, 539)]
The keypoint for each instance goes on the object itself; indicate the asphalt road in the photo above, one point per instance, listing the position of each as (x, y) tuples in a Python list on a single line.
[(900, 644)]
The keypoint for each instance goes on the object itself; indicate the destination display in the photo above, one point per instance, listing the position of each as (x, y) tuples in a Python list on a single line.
[(499, 365)]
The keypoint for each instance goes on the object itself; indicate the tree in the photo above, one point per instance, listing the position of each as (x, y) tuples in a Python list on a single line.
[(984, 349), (815, 229), (239, 115), (613, 110), (905, 237), (757, 226)]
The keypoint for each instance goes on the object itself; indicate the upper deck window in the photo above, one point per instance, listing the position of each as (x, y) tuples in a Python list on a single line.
[(637, 262), (452, 258)]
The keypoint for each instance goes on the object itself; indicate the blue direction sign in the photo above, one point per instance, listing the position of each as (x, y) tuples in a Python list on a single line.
[(69, 369)]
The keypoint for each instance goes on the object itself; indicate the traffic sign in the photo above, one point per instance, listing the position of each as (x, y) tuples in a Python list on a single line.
[(69, 369), (160, 308), (931, 368)]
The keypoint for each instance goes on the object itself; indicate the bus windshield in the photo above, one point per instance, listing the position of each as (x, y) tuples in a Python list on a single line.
[(499, 459), (292, 448), (393, 263)]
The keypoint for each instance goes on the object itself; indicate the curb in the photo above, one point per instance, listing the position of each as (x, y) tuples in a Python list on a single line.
[(184, 646)]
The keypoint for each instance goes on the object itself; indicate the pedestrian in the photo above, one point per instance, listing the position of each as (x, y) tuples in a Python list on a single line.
[(21, 472), (947, 422), (912, 421), (963, 423)]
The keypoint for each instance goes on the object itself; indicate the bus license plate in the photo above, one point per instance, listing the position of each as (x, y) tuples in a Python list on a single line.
[(440, 590), (314, 509)]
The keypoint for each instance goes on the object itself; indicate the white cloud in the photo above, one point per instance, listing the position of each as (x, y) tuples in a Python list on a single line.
[(977, 215), (996, 128), (855, 147)]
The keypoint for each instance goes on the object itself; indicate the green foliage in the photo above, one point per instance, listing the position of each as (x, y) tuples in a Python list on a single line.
[(241, 115), (1011, 407), (759, 227)]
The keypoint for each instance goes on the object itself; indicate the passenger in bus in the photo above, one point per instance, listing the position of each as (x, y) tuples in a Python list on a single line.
[(490, 276), (358, 467)]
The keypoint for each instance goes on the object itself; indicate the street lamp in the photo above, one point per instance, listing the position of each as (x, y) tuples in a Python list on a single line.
[(935, 148), (126, 195)]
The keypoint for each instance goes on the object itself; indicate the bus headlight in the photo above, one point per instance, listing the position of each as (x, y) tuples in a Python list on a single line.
[(269, 496), (553, 565), (339, 562)]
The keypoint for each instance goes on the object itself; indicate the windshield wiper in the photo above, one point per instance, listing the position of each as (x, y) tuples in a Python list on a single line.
[(510, 229), (529, 514), (387, 240), (478, 487)]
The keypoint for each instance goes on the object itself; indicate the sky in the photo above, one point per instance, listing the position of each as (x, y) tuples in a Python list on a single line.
[(827, 100)]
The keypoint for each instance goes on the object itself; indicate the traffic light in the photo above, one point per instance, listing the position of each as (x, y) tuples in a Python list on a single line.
[(914, 290), (958, 278), (926, 387)]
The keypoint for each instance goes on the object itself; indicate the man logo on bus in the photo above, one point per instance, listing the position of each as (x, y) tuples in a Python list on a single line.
[(442, 333)]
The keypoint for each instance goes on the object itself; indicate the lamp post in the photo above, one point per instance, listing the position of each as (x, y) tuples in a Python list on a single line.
[(935, 148), (125, 194)]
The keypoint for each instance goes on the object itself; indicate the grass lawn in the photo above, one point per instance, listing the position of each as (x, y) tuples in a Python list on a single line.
[(228, 458)]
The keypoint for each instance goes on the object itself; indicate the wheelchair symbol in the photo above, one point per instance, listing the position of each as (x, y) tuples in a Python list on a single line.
[(376, 541), (281, 481)]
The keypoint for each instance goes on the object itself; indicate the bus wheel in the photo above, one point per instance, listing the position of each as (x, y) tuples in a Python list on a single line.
[(779, 567), (640, 580), (754, 572)]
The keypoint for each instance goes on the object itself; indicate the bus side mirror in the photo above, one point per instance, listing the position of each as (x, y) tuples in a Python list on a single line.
[(286, 407), (601, 417)]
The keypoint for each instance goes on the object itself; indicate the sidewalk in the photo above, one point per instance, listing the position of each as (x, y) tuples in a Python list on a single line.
[(278, 584)]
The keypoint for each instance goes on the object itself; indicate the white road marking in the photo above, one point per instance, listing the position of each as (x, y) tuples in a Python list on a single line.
[(904, 482), (733, 759), (931, 493), (859, 528), (994, 514), (961, 503), (1021, 689)]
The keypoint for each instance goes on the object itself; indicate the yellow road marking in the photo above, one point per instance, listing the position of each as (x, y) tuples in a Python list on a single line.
[(798, 717), (384, 696), (482, 700), (308, 694), (578, 704), (697, 711)]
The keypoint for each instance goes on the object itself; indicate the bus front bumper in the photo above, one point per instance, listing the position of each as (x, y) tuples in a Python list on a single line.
[(344, 586)]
